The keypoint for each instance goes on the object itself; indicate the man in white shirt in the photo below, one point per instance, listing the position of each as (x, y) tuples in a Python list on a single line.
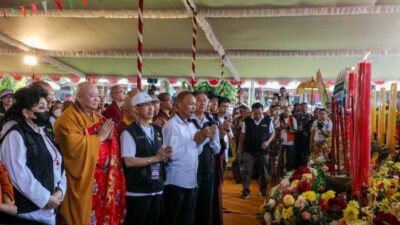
[(187, 143), (206, 160), (144, 158)]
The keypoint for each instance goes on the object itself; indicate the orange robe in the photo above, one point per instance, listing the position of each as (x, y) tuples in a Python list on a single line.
[(5, 184), (80, 153)]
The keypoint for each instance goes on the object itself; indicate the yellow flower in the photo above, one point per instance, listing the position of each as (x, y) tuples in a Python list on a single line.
[(396, 196), (288, 200), (287, 214), (350, 213), (307, 176), (310, 196), (353, 204), (396, 166), (328, 195), (387, 183), (294, 184)]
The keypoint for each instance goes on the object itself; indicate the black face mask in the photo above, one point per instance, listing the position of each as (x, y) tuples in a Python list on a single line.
[(42, 118)]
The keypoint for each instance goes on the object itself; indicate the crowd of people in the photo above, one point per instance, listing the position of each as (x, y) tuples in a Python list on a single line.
[(143, 159)]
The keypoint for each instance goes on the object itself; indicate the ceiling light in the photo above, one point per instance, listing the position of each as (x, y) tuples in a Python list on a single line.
[(30, 60)]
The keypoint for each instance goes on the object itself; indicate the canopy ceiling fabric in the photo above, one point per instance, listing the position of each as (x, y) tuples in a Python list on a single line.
[(280, 33)]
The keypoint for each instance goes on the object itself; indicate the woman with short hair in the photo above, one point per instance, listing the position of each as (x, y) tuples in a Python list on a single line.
[(32, 158)]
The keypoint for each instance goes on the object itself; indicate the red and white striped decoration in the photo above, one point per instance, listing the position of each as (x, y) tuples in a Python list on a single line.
[(139, 52), (194, 40)]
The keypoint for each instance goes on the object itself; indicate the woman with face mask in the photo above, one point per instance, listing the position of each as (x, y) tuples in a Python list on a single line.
[(33, 160)]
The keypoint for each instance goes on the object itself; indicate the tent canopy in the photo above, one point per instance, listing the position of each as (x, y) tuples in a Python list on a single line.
[(266, 39)]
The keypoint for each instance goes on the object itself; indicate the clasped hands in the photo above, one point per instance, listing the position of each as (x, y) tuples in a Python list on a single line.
[(204, 133)]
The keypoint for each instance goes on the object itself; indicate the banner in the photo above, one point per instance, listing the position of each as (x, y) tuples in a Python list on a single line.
[(325, 99)]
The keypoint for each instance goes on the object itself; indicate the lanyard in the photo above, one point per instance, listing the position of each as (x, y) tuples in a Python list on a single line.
[(151, 138)]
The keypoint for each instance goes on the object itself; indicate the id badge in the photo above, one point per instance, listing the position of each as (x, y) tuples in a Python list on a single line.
[(155, 171)]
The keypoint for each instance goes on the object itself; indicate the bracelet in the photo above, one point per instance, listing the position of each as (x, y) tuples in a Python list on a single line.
[(148, 161)]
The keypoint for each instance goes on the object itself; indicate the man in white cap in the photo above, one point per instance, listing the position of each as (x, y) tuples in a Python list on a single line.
[(144, 157), (6, 97)]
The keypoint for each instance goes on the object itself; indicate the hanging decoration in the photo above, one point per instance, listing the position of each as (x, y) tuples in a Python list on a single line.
[(4, 14), (17, 76), (261, 82), (322, 90), (113, 80), (132, 80), (75, 78), (44, 5), (234, 82), (379, 82), (59, 5), (194, 40), (35, 77), (71, 4), (173, 80), (55, 78), (140, 45), (23, 10), (34, 9), (213, 82), (84, 2)]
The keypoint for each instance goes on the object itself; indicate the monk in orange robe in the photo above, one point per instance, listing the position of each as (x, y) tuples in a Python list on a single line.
[(95, 183), (6, 192)]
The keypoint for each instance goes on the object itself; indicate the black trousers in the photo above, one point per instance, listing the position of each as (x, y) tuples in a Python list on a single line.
[(204, 199), (179, 205), (143, 210)]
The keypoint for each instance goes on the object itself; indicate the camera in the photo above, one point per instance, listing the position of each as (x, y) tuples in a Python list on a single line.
[(320, 125)]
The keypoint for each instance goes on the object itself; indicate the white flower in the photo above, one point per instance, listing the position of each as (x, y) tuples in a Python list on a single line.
[(268, 218), (284, 183), (271, 203), (277, 215), (314, 172), (320, 159), (300, 202), (335, 222)]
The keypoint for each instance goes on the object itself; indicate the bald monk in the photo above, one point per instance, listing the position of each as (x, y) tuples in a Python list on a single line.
[(51, 98), (92, 161)]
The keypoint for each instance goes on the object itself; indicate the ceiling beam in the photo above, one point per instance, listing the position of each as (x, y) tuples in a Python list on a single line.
[(221, 12), (210, 55), (12, 42)]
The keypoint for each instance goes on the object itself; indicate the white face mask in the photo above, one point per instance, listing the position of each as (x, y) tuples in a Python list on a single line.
[(57, 112)]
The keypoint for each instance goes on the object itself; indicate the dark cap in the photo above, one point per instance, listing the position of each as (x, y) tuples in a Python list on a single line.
[(5, 92)]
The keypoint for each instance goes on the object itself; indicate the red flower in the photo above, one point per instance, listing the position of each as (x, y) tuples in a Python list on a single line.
[(385, 219), (336, 204), (299, 172), (323, 204), (286, 191), (304, 186), (381, 185)]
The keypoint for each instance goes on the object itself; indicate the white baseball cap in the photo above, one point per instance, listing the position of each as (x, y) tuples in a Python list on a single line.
[(142, 98)]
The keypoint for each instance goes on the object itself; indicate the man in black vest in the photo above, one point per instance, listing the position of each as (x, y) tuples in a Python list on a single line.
[(144, 158), (206, 160), (257, 134)]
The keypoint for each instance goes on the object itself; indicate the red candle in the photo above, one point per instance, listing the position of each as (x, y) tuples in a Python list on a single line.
[(350, 106), (362, 142)]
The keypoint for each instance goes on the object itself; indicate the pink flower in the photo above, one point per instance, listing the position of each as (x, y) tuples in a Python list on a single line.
[(325, 168), (305, 215)]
